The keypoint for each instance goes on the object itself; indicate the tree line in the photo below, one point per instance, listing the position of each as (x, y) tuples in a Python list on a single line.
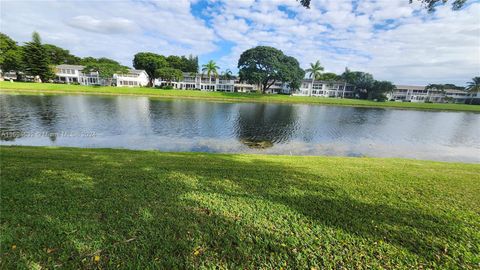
[(37, 59), (262, 65), (167, 67)]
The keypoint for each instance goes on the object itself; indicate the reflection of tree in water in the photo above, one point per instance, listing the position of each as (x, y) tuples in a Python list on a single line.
[(12, 118), (263, 125), (46, 111), (15, 112)]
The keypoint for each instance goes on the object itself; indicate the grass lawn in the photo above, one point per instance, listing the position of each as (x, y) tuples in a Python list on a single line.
[(89, 208), (19, 87)]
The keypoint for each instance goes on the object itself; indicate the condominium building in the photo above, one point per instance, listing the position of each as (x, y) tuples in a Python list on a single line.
[(74, 74), (202, 82), (313, 88), (132, 79), (410, 93)]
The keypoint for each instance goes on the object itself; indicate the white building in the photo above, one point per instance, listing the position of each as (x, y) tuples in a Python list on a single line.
[(325, 89), (74, 74), (201, 82), (204, 83), (134, 78), (410, 93)]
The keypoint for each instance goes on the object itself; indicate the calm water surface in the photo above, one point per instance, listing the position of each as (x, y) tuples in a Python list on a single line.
[(184, 125)]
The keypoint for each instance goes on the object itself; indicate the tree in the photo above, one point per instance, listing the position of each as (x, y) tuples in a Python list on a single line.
[(315, 70), (35, 59), (329, 76), (363, 81), (150, 62), (378, 90), (265, 65), (442, 87), (105, 67), (58, 56), (291, 73), (191, 64), (473, 87), (210, 68), (429, 4), (169, 74), (227, 74), (176, 62), (10, 54)]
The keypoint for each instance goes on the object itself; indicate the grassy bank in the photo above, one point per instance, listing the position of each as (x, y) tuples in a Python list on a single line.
[(251, 97), (87, 208)]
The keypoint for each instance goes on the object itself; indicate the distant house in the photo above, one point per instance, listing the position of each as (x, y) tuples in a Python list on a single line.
[(200, 82), (131, 79), (73, 74), (410, 93)]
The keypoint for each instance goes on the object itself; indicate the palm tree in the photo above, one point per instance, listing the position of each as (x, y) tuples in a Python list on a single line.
[(210, 68), (227, 74), (315, 70), (473, 87)]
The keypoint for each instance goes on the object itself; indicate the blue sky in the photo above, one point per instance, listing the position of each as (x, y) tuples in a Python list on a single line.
[(391, 39)]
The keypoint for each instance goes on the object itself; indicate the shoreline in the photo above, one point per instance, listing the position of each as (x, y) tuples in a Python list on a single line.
[(225, 154), (234, 97)]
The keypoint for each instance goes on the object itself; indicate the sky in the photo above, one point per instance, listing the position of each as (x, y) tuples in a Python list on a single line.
[(391, 39)]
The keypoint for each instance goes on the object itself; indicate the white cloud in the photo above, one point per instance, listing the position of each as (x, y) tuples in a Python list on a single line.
[(114, 29), (393, 40), (108, 26)]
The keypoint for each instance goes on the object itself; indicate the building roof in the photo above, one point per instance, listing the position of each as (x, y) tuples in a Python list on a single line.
[(323, 81), (78, 67), (453, 91), (136, 71), (410, 87)]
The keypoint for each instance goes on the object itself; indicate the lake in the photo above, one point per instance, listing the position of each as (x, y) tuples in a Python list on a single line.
[(204, 126)]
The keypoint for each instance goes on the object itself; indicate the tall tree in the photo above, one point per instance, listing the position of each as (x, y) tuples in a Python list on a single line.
[(329, 76), (378, 90), (227, 74), (150, 62), (176, 62), (10, 54), (191, 64), (209, 69), (58, 56), (473, 87), (291, 73), (363, 82), (315, 71), (429, 4), (169, 74), (265, 65), (35, 59)]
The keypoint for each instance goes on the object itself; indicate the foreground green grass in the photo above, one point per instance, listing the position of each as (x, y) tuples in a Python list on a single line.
[(251, 97), (88, 208)]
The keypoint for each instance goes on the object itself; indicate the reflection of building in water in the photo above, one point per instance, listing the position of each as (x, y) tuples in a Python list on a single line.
[(262, 125)]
